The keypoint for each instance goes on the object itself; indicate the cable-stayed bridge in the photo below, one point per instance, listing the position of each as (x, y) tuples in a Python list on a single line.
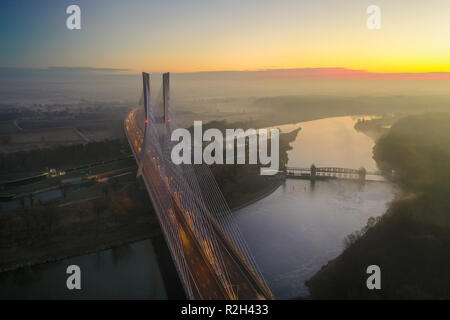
[(209, 252)]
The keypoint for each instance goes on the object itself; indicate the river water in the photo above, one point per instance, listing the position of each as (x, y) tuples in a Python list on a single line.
[(291, 233), (127, 272), (297, 229)]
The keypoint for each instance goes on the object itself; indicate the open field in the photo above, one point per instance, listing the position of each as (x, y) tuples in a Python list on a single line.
[(36, 127)]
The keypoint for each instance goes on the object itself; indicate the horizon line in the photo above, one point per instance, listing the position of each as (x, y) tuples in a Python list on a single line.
[(319, 73)]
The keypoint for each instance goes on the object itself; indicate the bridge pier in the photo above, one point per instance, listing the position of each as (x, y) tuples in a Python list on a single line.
[(362, 174), (313, 172)]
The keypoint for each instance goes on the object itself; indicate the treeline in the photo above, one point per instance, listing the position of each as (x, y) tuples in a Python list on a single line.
[(411, 242), (60, 156), (417, 152)]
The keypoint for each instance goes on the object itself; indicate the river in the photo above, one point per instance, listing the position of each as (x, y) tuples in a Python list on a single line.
[(291, 233), (297, 229), (139, 270)]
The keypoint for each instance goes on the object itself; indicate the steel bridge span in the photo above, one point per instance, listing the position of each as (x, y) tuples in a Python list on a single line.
[(314, 172)]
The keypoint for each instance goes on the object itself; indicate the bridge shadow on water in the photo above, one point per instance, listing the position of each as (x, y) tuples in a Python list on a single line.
[(173, 286)]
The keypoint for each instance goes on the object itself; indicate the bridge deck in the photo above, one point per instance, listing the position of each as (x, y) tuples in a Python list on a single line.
[(201, 271)]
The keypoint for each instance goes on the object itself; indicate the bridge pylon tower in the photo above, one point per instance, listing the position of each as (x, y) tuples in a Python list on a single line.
[(146, 92)]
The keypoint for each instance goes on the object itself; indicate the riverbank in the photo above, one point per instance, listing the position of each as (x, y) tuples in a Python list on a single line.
[(51, 232), (73, 246)]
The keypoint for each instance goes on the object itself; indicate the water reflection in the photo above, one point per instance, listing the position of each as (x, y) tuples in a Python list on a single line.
[(331, 142)]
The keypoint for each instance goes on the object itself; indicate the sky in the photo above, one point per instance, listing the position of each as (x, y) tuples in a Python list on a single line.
[(194, 35)]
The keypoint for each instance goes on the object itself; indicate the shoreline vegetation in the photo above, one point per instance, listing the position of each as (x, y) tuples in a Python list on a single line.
[(103, 215), (376, 128), (411, 241)]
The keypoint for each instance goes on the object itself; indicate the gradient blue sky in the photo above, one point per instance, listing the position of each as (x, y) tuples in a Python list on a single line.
[(194, 35)]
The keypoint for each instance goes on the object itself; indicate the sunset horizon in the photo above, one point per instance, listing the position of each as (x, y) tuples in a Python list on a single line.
[(213, 36), (325, 73)]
